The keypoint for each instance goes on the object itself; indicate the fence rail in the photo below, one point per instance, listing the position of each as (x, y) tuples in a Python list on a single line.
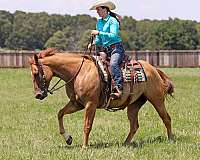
[(165, 58)]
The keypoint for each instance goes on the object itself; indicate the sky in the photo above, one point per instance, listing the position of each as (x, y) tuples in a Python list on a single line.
[(138, 9)]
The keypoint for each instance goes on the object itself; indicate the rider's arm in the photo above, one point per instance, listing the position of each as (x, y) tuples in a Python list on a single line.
[(114, 30), (98, 41)]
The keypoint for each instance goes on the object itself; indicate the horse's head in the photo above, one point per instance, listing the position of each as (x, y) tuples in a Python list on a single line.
[(41, 76)]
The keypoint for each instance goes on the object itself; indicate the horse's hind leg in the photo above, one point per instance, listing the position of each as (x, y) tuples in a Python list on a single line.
[(132, 113), (69, 108), (159, 105)]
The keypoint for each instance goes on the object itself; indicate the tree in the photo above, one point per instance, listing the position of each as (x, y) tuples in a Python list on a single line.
[(128, 33), (34, 29), (62, 40), (16, 41), (176, 34), (198, 33), (82, 44), (81, 24), (39, 30), (58, 40), (6, 20), (20, 37)]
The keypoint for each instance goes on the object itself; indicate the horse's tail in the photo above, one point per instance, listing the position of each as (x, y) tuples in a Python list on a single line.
[(168, 85)]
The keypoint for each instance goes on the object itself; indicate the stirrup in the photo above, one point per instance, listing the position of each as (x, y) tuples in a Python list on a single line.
[(116, 95)]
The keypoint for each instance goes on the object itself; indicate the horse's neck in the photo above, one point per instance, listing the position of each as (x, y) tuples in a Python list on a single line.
[(63, 66)]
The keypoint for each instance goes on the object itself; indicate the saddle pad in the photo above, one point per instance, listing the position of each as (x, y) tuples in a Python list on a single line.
[(133, 71), (103, 73)]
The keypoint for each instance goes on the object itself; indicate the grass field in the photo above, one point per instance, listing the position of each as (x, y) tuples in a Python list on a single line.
[(29, 128)]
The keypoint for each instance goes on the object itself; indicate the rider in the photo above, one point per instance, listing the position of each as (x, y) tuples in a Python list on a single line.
[(107, 35)]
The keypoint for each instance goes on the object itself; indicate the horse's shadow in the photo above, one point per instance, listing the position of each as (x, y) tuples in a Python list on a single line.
[(140, 143), (134, 144)]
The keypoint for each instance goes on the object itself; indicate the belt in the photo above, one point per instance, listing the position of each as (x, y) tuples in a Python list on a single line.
[(114, 45)]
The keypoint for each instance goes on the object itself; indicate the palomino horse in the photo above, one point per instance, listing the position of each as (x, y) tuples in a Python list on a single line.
[(83, 87)]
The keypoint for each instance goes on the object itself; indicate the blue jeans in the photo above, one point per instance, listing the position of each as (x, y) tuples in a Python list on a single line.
[(117, 56)]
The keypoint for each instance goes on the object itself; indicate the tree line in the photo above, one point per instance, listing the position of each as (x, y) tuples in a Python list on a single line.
[(36, 31)]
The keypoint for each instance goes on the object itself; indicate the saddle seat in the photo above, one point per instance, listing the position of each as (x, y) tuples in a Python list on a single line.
[(131, 70)]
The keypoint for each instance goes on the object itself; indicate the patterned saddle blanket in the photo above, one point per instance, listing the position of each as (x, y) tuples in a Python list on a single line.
[(132, 71)]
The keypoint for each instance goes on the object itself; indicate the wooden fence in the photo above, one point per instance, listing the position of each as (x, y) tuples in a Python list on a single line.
[(183, 58)]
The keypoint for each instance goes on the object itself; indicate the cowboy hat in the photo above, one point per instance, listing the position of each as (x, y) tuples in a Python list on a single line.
[(105, 3)]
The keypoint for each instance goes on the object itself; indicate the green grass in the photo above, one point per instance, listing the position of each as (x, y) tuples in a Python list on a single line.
[(29, 127)]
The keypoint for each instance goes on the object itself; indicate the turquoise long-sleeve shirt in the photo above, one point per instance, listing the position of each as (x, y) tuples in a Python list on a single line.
[(108, 31)]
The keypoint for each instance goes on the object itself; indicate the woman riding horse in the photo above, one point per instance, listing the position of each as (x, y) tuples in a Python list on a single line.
[(84, 87), (108, 35)]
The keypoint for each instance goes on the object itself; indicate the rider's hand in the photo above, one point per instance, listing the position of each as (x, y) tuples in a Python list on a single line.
[(94, 32)]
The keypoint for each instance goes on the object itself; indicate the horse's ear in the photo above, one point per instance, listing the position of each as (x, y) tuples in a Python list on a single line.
[(36, 58), (30, 60)]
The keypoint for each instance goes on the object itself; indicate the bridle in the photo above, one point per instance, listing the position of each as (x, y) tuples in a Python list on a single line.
[(42, 78)]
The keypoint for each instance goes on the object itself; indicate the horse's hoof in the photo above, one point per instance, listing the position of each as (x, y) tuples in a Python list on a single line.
[(69, 140), (125, 144), (172, 138), (83, 148)]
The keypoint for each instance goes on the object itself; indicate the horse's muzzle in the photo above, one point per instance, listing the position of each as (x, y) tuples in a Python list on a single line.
[(40, 95)]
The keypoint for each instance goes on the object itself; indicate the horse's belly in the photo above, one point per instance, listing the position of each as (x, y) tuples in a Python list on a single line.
[(136, 91)]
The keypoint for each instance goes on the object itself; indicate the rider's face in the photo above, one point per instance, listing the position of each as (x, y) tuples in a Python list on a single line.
[(101, 12)]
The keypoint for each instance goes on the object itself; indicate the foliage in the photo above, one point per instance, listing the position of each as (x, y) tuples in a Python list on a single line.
[(128, 33), (62, 40), (84, 40), (6, 20), (198, 31), (31, 31), (175, 34)]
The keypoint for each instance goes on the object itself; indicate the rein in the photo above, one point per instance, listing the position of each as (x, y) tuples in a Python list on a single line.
[(55, 89), (86, 48), (42, 79)]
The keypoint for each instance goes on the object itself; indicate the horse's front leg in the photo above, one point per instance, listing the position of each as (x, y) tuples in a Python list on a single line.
[(90, 110), (69, 108)]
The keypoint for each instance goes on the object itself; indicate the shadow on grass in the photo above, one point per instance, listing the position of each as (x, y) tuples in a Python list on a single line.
[(135, 144), (68, 147), (160, 139), (95, 145), (142, 143), (105, 145)]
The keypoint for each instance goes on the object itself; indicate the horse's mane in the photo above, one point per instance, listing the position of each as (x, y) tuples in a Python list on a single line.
[(48, 52), (88, 57), (52, 51)]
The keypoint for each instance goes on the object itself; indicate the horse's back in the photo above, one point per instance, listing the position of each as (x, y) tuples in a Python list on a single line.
[(154, 85), (150, 71)]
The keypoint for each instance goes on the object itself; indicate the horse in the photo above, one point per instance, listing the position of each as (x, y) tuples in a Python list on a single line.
[(84, 88)]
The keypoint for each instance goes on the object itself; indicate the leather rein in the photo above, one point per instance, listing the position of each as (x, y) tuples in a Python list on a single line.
[(72, 78)]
